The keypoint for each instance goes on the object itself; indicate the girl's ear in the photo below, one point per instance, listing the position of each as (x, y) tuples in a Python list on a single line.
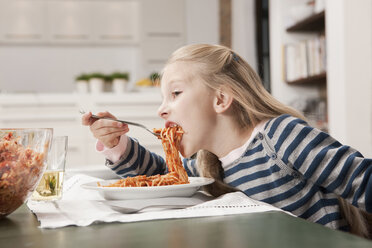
[(222, 101)]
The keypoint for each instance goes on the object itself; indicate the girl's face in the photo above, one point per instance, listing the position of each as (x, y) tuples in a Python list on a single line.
[(187, 102)]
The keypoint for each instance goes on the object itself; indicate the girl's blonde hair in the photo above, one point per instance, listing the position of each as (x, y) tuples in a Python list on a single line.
[(218, 66)]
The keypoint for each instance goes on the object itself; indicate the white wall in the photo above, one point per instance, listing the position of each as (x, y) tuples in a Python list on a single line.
[(244, 30), (53, 68), (349, 44)]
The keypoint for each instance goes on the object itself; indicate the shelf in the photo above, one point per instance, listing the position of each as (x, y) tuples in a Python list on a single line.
[(316, 79), (313, 23)]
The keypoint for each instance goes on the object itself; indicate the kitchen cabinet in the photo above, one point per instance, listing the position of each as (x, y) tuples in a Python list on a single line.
[(22, 21), (164, 17), (156, 51), (70, 21), (96, 22), (116, 21), (155, 28), (163, 31)]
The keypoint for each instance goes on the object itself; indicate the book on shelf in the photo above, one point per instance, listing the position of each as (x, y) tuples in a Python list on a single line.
[(304, 59)]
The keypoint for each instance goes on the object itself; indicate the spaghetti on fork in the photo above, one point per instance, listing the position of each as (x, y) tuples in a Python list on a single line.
[(170, 138)]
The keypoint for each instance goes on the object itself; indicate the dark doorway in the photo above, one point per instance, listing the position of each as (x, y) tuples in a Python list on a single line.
[(263, 44)]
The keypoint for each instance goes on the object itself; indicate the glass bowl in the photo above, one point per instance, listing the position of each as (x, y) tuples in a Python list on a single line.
[(23, 154)]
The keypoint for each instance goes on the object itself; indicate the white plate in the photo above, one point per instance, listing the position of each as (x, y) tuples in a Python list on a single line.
[(123, 193)]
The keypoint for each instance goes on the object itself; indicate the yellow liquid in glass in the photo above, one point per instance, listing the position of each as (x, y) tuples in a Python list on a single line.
[(50, 187)]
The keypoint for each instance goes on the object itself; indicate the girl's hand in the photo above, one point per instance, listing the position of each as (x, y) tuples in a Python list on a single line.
[(106, 131)]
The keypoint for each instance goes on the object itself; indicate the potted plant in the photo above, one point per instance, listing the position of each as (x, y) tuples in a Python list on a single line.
[(96, 82), (119, 81), (82, 83), (149, 82), (155, 79), (107, 87)]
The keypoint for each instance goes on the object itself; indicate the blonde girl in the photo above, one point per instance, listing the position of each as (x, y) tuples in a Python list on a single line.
[(246, 140)]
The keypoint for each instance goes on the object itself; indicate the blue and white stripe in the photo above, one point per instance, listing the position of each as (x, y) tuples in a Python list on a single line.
[(136, 160), (290, 165)]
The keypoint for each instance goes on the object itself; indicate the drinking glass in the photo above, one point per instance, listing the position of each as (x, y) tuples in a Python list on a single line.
[(51, 184)]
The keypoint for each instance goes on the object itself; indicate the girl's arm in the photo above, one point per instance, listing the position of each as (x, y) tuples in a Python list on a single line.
[(126, 156), (115, 153), (137, 160), (125, 153), (323, 160)]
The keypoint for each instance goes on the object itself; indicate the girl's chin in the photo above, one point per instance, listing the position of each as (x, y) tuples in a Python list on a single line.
[(186, 148), (186, 154)]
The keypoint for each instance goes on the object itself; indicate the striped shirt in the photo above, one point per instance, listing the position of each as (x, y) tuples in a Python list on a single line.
[(288, 164)]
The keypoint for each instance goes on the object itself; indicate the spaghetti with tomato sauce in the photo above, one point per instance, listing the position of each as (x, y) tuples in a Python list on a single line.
[(170, 138)]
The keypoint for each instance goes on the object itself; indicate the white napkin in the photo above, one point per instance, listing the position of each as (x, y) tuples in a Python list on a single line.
[(82, 207)]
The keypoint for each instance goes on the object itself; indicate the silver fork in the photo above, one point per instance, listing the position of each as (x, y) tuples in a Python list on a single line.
[(126, 122), (133, 210)]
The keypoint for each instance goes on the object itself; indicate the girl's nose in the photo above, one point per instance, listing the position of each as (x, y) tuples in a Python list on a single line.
[(162, 111)]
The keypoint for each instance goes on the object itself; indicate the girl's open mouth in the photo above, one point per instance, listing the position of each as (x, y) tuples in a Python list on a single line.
[(170, 124)]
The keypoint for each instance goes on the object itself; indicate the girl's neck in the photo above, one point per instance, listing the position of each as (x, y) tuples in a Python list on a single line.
[(229, 137)]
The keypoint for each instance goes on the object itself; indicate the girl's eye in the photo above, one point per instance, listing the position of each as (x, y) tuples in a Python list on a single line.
[(176, 93)]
